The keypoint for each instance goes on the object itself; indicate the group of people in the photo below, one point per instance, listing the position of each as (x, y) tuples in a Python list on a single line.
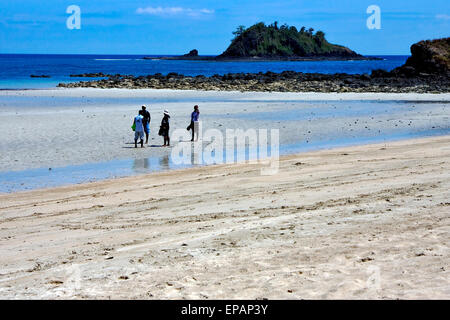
[(141, 126)]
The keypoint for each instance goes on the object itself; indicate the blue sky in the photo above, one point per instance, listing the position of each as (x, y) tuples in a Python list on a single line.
[(175, 27)]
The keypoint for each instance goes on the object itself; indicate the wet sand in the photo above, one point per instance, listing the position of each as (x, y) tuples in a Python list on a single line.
[(357, 222)]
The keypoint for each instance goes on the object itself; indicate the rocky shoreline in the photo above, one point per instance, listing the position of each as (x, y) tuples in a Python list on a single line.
[(287, 81), (426, 71)]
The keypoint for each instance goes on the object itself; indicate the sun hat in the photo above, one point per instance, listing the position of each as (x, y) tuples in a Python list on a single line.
[(166, 112)]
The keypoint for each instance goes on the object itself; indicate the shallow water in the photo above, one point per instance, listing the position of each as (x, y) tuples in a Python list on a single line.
[(52, 177)]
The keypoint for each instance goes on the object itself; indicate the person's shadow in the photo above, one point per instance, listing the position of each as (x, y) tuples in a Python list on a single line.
[(131, 146)]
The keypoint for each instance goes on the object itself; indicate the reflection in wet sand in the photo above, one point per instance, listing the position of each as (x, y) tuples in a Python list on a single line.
[(196, 155), (141, 165), (164, 162)]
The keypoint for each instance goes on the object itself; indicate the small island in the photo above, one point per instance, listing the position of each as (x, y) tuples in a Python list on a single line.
[(263, 42), (285, 42)]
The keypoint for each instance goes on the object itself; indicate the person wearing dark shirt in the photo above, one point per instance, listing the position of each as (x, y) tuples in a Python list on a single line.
[(164, 129), (147, 119)]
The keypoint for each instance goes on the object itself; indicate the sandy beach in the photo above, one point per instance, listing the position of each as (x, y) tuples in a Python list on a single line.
[(358, 222), (223, 152)]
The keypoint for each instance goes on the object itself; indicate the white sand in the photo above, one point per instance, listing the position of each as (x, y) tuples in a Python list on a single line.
[(360, 222)]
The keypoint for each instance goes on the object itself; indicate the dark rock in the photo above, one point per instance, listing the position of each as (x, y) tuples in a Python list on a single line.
[(431, 56), (348, 81), (192, 53), (380, 73), (406, 71), (365, 77)]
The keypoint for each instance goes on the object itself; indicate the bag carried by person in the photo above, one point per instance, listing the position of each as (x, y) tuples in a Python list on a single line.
[(133, 127), (160, 131)]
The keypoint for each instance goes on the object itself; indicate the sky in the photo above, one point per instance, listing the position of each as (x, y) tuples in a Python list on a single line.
[(147, 27)]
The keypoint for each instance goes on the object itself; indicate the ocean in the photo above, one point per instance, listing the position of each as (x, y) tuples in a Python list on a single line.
[(15, 69)]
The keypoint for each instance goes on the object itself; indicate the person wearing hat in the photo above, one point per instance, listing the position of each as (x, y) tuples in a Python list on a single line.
[(164, 129), (147, 119)]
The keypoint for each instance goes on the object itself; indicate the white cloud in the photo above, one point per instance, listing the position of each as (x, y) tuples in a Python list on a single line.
[(442, 17), (172, 11)]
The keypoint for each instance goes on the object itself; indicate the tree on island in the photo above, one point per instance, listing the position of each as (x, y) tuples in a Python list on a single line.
[(238, 32)]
